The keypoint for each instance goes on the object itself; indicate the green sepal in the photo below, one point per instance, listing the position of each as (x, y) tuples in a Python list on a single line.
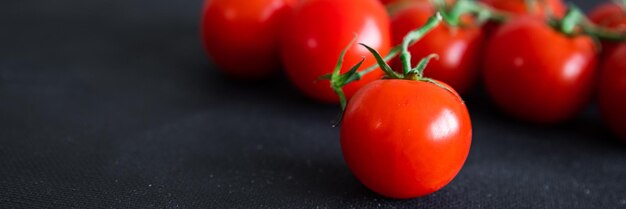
[(421, 66), (352, 74), (381, 63), (571, 20)]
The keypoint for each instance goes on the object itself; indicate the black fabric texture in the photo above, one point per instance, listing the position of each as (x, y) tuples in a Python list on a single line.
[(114, 104)]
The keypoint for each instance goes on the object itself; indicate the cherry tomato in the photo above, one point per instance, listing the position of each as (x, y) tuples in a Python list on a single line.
[(536, 73), (387, 1), (458, 48), (612, 91), (610, 15), (317, 32), (408, 1), (404, 138), (242, 37), (519, 7)]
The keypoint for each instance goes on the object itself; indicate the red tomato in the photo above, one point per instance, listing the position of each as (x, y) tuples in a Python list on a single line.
[(242, 37), (519, 7), (407, 1), (609, 15), (404, 138), (612, 91), (458, 48), (536, 73), (319, 30)]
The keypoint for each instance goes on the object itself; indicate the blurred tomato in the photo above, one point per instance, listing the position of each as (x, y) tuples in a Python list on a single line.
[(458, 47), (317, 32), (610, 15), (540, 7), (387, 1), (394, 6), (538, 74), (612, 91), (241, 37)]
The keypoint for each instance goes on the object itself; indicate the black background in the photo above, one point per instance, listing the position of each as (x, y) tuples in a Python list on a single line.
[(114, 104)]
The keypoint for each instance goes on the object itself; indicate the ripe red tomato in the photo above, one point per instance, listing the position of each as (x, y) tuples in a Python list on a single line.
[(242, 37), (319, 30), (536, 73), (519, 7), (407, 1), (458, 48), (404, 138), (610, 15), (612, 91)]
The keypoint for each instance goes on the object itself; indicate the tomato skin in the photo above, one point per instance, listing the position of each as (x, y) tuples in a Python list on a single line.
[(519, 7), (612, 91), (317, 32), (612, 16), (405, 139), (458, 48), (242, 39), (537, 74), (387, 2)]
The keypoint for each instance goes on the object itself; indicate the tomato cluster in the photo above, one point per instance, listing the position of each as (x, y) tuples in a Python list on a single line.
[(406, 133)]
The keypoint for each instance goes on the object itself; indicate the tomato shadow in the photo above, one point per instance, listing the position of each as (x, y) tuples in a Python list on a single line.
[(584, 133)]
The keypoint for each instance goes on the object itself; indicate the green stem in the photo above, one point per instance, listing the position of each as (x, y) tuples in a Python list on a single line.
[(414, 36), (576, 19), (483, 12), (603, 33), (571, 20), (339, 80)]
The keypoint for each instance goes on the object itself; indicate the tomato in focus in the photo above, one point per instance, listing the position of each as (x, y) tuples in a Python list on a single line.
[(242, 38), (317, 32), (459, 48), (612, 91), (536, 73), (404, 138), (610, 15)]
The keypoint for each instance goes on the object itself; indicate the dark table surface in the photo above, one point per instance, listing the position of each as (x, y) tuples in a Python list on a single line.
[(114, 104)]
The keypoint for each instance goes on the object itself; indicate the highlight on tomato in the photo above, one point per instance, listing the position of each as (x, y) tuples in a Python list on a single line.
[(407, 135), (458, 41), (316, 33), (539, 72), (242, 38), (612, 91)]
